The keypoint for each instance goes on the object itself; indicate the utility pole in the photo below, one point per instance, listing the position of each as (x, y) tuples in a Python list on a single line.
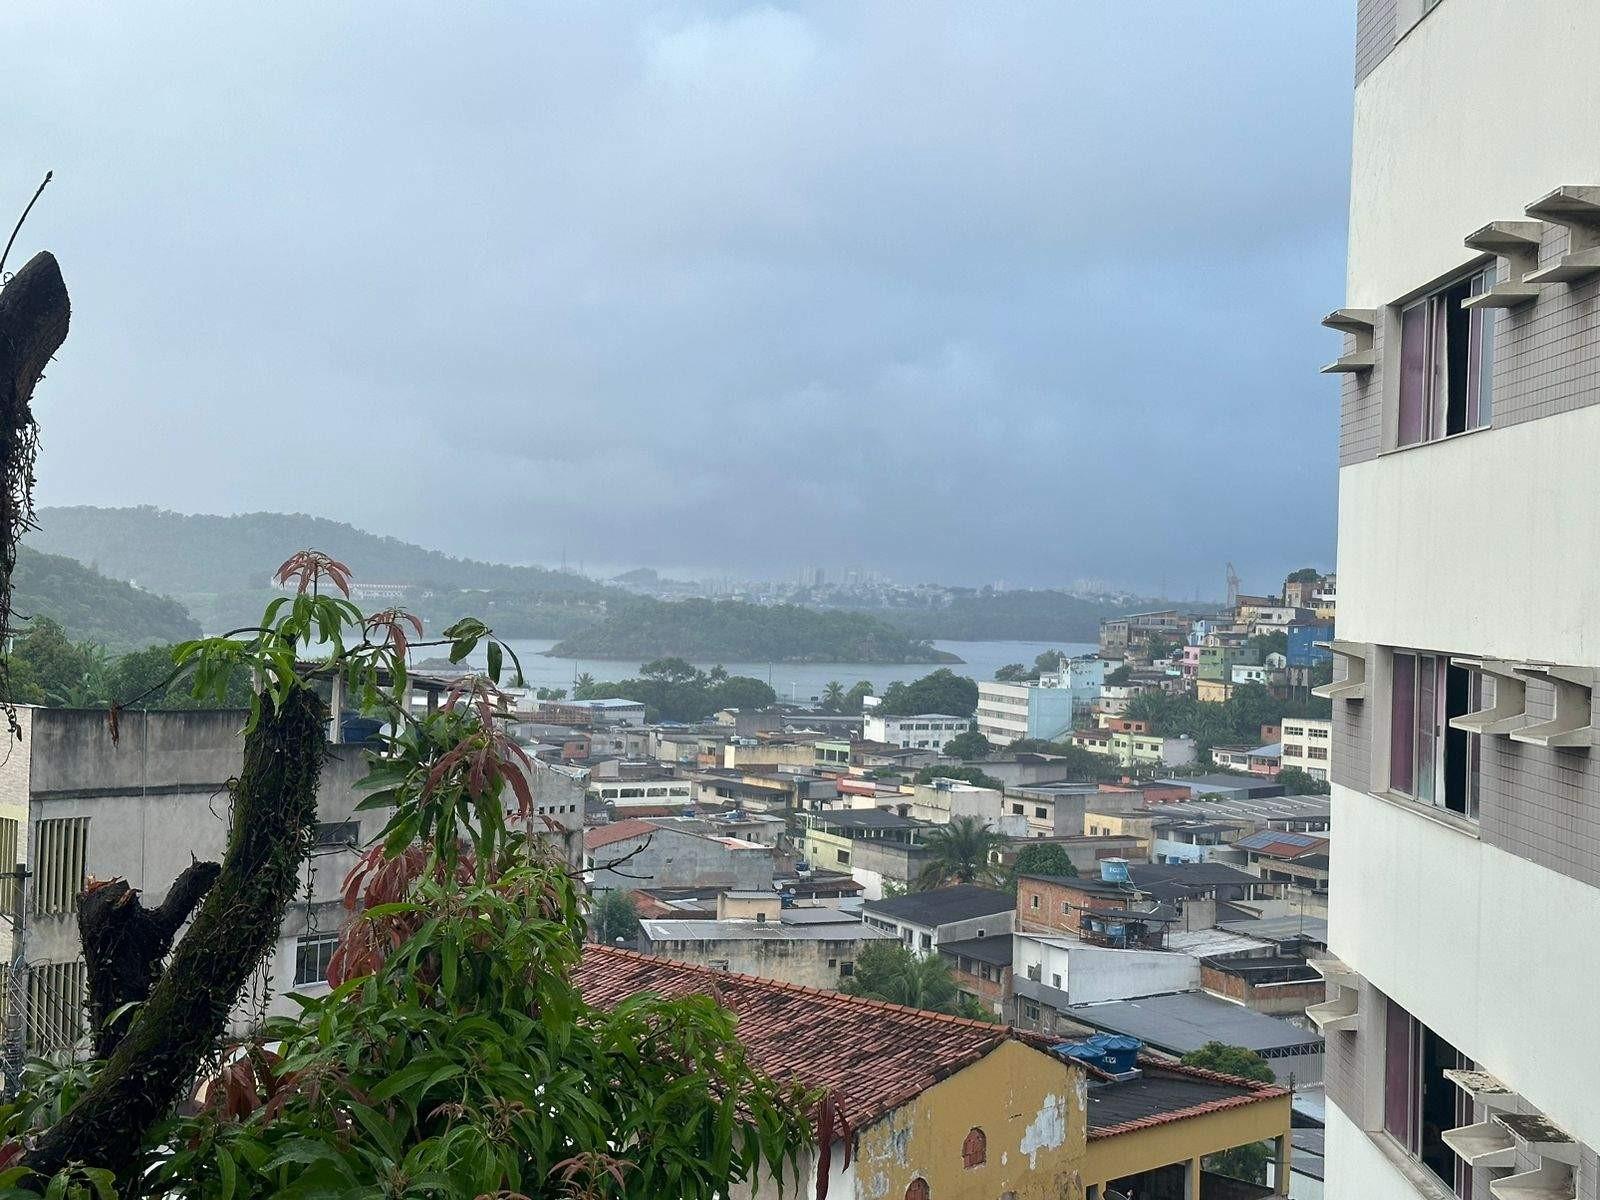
[(15, 1047)]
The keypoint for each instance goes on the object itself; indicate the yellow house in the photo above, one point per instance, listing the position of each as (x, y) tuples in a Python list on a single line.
[(1118, 824), (923, 1106), (1212, 691)]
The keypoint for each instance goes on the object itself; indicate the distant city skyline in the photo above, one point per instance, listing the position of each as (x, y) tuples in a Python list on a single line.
[(972, 296)]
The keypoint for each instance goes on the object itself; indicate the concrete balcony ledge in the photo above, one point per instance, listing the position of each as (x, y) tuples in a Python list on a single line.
[(1570, 728), (1486, 1144), (1516, 246), (1578, 209), (1354, 684), (1352, 363), (1510, 709)]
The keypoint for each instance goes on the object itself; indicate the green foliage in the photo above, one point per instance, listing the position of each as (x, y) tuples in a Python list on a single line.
[(614, 916), (1048, 662), (962, 852), (638, 627), (1236, 721), (672, 689), (1011, 673), (1224, 1059), (1120, 676), (1304, 575), (90, 607), (1042, 858), (972, 775), (833, 697), (887, 970), (1083, 766), (968, 745), (1298, 783), (852, 699), (1274, 642), (942, 691), (454, 1055)]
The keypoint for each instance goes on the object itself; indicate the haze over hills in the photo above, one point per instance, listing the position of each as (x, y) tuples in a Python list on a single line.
[(91, 607), (219, 569), (188, 553)]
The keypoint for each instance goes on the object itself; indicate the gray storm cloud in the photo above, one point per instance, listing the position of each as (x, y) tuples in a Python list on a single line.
[(961, 292)]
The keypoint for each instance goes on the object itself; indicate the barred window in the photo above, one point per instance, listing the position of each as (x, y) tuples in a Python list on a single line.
[(55, 1006), (61, 860)]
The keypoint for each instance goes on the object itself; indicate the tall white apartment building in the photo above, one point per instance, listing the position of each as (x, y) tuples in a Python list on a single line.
[(1463, 1045)]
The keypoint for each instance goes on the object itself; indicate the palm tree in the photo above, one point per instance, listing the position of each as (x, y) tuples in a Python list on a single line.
[(582, 684), (888, 971), (962, 854), (833, 696)]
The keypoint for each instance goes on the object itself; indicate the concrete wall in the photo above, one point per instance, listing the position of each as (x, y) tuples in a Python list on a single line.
[(815, 964), (674, 859), (157, 799), (1092, 973)]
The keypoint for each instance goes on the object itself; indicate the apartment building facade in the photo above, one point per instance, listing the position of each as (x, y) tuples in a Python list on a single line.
[(1464, 922), (1307, 746), (924, 731)]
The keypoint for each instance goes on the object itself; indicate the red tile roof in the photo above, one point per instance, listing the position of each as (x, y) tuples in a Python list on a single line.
[(870, 1056), (617, 831)]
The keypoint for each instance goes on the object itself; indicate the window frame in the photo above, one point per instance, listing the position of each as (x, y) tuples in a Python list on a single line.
[(1418, 363)]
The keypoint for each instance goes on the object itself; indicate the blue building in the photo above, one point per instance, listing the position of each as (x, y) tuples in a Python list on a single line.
[(1303, 637)]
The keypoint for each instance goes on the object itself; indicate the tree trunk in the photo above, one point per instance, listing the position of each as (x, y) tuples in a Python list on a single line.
[(34, 313), (274, 814), (124, 944)]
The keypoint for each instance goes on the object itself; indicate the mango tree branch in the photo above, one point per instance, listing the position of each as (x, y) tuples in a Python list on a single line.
[(274, 814)]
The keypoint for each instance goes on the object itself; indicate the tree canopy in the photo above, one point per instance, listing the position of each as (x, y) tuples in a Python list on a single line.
[(968, 745), (672, 689), (962, 852), (1298, 783), (1236, 721), (941, 691), (972, 775), (889, 971), (1043, 858)]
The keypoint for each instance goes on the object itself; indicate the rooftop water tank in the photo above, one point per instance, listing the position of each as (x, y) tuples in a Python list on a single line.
[(1114, 870), (1113, 1053)]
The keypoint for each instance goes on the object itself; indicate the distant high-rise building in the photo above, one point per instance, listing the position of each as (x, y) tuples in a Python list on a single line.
[(1462, 1042)]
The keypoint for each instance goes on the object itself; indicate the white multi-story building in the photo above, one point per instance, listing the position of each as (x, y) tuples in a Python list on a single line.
[(925, 731), (1463, 1050), (1044, 709), (1307, 746)]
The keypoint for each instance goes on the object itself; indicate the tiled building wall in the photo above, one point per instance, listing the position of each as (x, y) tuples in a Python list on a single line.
[(1547, 357), (1543, 805), (1375, 34), (1352, 744)]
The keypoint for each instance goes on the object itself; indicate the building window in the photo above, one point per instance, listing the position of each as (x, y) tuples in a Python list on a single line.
[(1055, 981), (61, 862), (1033, 902), (842, 856), (926, 941), (975, 1149), (1428, 760), (8, 862), (1030, 1010), (1418, 1101), (339, 833), (311, 956), (55, 1000), (917, 1189), (847, 968), (1446, 363)]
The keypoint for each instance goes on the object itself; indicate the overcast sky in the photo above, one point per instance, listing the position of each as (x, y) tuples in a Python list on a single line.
[(962, 293)]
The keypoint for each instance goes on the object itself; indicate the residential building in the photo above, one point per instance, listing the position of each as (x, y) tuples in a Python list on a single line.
[(1307, 746), (924, 921), (1052, 809), (1213, 691), (925, 731), (1107, 910), (1303, 593), (80, 804), (1299, 860), (1051, 973), (1177, 1023), (633, 853), (1136, 750), (590, 712), (981, 968), (873, 846), (926, 1106), (811, 947), (1306, 649), (1009, 712), (1225, 785), (660, 794), (1265, 760), (1464, 920), (1120, 634), (943, 800), (1216, 663)]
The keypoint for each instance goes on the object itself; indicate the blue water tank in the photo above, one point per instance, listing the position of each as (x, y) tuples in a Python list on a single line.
[(1113, 1053), (1114, 870)]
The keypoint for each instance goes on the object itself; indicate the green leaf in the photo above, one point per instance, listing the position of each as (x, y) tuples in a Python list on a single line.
[(495, 658), (227, 1174)]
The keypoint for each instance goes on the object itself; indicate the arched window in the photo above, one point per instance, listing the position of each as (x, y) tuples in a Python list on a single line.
[(975, 1150), (917, 1189)]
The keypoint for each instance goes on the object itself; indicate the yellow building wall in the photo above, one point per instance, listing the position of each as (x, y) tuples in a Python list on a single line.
[(1179, 1141), (1031, 1108), (1212, 691), (783, 754), (1119, 824), (822, 850)]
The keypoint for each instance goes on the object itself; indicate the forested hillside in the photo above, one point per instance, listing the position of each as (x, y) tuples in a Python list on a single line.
[(1029, 616), (182, 553), (90, 607), (732, 631)]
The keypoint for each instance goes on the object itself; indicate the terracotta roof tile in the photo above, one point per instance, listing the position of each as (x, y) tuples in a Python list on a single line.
[(617, 831), (869, 1055)]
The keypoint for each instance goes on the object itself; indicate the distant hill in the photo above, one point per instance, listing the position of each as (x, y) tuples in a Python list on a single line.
[(184, 554), (640, 629), (91, 607)]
